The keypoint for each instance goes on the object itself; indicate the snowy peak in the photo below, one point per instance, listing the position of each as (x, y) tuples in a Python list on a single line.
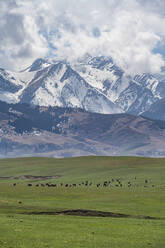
[(38, 65), (60, 85), (101, 73), (100, 62)]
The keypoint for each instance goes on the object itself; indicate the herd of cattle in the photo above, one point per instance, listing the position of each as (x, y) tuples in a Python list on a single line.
[(112, 182)]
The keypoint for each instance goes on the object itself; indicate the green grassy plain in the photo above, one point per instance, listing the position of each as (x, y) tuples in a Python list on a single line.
[(22, 225)]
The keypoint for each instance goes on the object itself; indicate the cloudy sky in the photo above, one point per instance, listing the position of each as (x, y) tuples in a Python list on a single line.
[(131, 31)]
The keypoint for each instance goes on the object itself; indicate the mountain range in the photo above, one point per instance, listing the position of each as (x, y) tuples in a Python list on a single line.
[(95, 84), (87, 107)]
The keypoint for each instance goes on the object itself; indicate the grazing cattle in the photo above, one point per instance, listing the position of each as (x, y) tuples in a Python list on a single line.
[(146, 181), (20, 202), (98, 185), (105, 184), (37, 185), (52, 185), (66, 185), (29, 184), (14, 184)]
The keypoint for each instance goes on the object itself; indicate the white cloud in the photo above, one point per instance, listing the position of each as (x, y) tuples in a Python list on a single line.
[(123, 29), (20, 40)]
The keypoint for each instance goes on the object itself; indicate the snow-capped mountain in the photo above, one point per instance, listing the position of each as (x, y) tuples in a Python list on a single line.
[(59, 85), (95, 84), (132, 94)]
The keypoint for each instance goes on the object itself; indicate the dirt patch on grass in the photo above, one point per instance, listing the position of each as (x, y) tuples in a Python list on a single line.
[(92, 213), (80, 212), (5, 178), (30, 177)]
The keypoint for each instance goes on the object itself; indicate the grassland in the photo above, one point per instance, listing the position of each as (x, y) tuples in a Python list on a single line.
[(28, 214)]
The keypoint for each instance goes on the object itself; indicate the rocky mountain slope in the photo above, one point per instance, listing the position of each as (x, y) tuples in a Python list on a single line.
[(95, 84), (156, 110), (62, 132)]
